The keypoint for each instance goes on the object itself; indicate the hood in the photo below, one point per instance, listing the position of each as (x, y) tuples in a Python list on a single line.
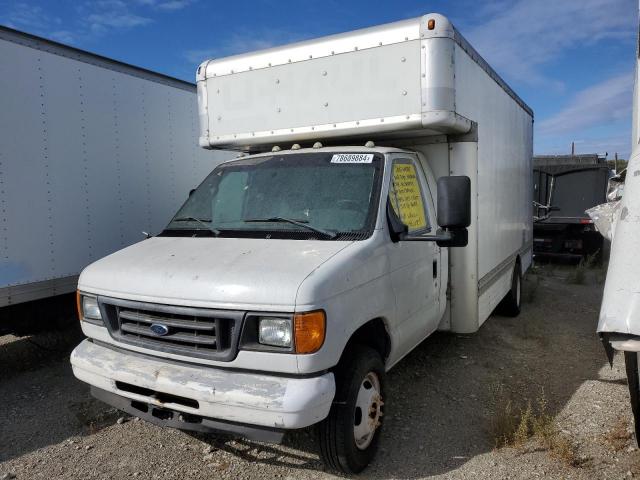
[(210, 272)]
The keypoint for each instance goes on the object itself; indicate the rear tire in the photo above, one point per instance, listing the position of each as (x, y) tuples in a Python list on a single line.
[(349, 436), (510, 304)]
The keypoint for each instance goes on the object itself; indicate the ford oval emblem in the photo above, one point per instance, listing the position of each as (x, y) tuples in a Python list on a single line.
[(159, 329)]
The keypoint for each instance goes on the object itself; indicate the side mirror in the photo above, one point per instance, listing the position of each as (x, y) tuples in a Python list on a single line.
[(191, 191), (454, 202), (454, 210)]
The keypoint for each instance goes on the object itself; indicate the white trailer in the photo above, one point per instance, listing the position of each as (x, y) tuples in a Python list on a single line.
[(92, 152), (294, 277)]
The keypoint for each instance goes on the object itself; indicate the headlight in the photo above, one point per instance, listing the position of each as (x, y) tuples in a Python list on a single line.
[(274, 331), (300, 333), (88, 308)]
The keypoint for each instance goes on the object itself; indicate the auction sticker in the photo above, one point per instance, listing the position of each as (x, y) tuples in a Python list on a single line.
[(352, 158)]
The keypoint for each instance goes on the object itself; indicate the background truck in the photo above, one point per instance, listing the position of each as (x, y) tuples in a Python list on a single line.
[(92, 152), (564, 187), (293, 278)]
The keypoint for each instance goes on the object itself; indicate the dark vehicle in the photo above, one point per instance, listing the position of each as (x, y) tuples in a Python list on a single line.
[(561, 194)]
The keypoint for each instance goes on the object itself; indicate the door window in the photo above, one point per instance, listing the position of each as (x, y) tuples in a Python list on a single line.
[(407, 196)]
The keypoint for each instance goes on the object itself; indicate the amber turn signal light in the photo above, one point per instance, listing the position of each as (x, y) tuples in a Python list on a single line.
[(78, 306), (431, 24), (309, 330)]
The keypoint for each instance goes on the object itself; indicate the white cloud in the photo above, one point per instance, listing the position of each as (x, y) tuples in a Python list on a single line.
[(23, 16), (94, 17), (522, 36), (100, 16), (243, 42), (101, 21), (601, 144), (169, 5), (63, 36), (173, 4), (600, 104), (34, 19)]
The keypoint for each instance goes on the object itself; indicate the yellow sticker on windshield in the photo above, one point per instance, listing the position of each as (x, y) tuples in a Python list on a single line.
[(406, 197)]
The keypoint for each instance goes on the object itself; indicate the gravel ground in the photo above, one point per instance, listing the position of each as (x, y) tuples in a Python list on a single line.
[(440, 409)]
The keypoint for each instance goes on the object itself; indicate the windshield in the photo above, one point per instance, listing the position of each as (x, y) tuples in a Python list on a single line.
[(307, 195)]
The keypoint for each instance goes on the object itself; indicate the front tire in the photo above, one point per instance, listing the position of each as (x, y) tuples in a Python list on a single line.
[(349, 436), (510, 304)]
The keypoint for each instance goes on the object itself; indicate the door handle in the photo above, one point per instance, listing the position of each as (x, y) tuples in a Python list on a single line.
[(435, 269)]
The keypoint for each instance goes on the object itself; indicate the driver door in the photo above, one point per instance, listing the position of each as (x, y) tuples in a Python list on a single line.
[(414, 266)]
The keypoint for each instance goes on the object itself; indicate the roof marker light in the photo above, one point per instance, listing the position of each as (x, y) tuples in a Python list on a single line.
[(431, 24)]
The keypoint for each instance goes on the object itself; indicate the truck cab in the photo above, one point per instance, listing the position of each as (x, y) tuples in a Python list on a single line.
[(276, 267)]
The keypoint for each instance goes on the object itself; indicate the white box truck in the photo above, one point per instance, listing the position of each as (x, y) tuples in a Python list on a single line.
[(296, 275), (92, 152)]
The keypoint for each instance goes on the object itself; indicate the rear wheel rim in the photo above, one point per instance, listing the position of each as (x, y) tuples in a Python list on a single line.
[(368, 412)]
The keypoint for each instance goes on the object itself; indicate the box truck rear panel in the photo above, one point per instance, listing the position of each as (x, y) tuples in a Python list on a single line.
[(93, 152)]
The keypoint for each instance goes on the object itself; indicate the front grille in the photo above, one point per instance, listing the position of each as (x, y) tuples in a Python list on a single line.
[(195, 332)]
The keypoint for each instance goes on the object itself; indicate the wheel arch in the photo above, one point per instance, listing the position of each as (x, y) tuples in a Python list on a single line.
[(373, 334)]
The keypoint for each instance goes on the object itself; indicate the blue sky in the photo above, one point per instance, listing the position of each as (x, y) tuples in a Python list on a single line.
[(571, 60)]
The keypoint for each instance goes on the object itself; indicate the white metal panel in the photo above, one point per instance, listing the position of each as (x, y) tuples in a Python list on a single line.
[(505, 148), (26, 214), (131, 159), (372, 84), (463, 262), (381, 82), (90, 156), (98, 161), (191, 164), (492, 296), (67, 165), (162, 183), (380, 35)]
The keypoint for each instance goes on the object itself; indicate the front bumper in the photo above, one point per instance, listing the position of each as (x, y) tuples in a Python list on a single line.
[(269, 402)]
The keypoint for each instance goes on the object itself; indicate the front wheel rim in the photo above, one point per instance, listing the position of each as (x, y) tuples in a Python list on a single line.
[(368, 411)]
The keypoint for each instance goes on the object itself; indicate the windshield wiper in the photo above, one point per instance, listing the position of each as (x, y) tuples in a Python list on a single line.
[(200, 221), (299, 223)]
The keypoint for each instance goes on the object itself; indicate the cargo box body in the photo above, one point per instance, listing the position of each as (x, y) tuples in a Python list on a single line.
[(402, 85)]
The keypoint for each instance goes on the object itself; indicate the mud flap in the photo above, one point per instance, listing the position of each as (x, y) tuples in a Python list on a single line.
[(608, 349), (631, 366)]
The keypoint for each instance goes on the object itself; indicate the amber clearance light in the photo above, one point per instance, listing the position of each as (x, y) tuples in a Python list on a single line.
[(309, 330)]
